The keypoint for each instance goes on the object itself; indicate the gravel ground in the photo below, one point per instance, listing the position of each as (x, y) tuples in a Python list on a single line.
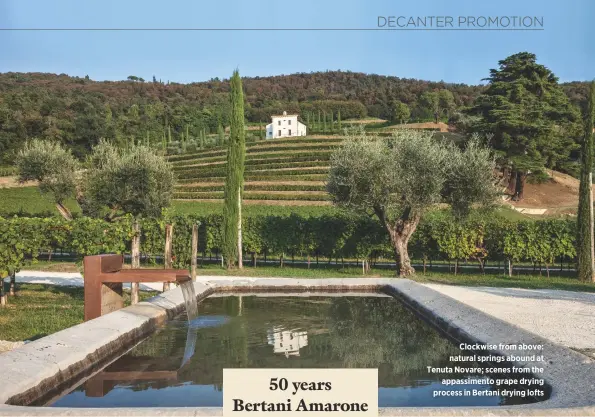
[(6, 345), (73, 279), (564, 317)]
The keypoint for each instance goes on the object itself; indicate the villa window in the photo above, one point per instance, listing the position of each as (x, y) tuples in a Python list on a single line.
[(279, 132), (289, 122), (289, 132), (279, 122)]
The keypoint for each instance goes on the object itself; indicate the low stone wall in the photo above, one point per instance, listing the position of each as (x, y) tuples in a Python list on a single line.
[(60, 361)]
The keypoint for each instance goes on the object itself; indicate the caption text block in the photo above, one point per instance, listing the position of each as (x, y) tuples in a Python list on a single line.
[(299, 392)]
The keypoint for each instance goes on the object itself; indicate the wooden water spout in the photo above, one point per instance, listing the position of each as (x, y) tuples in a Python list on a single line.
[(104, 276)]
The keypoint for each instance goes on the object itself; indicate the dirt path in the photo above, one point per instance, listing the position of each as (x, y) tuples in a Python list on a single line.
[(12, 182)]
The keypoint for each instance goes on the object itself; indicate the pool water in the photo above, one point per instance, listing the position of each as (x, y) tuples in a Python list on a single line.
[(181, 365)]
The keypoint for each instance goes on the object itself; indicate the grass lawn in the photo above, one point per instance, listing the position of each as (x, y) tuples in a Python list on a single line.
[(29, 200), (39, 309)]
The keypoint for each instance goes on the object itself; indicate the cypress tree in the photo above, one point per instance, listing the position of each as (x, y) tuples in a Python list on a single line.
[(584, 204), (324, 123), (319, 119), (187, 133), (221, 135), (234, 183), (332, 127), (339, 120), (168, 134)]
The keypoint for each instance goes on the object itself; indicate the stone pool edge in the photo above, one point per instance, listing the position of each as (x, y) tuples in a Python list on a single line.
[(61, 356)]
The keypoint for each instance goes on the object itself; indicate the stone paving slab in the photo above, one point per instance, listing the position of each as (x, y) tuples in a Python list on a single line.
[(564, 317)]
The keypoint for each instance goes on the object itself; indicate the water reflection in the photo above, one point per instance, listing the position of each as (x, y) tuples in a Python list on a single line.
[(287, 342), (182, 364)]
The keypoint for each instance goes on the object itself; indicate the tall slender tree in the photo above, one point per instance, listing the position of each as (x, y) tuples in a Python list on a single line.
[(220, 135), (234, 183), (319, 122), (585, 272)]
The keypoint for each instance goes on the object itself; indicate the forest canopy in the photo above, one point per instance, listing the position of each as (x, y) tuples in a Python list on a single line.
[(78, 112)]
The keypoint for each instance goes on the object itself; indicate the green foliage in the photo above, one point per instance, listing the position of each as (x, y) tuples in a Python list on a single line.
[(399, 178), (400, 112), (324, 234), (407, 173), (234, 182), (209, 195), (28, 201), (133, 180), (7, 171), (220, 135), (533, 123), (61, 108), (53, 166), (584, 205), (438, 103)]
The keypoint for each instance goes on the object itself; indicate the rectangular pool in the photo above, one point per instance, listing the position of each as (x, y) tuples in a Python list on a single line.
[(181, 364)]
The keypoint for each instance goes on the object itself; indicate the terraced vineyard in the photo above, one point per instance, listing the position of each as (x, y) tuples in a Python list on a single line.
[(281, 171)]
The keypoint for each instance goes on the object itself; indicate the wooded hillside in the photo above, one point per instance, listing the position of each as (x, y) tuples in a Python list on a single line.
[(79, 111)]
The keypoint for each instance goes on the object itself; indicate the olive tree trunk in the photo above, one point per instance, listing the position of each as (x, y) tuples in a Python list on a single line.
[(64, 211), (2, 294), (400, 231), (12, 289), (135, 261), (168, 251)]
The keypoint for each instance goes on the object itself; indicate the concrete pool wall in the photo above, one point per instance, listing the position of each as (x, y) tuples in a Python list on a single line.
[(59, 362)]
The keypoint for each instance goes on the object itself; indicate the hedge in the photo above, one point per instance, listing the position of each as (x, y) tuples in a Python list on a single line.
[(254, 187), (438, 237), (267, 143), (322, 144), (254, 176), (218, 195), (268, 159), (221, 168), (271, 173), (7, 171)]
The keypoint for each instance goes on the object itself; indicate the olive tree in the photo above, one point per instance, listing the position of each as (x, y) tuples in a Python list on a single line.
[(53, 167), (111, 182), (134, 180), (399, 178)]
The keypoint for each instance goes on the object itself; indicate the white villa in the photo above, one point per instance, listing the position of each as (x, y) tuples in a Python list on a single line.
[(285, 126), (287, 342)]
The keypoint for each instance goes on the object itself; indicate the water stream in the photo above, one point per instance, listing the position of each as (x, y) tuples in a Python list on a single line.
[(190, 299), (192, 313)]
